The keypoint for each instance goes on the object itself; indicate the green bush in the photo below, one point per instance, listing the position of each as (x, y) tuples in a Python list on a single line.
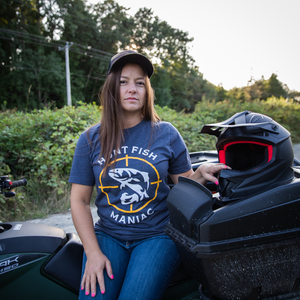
[(40, 146)]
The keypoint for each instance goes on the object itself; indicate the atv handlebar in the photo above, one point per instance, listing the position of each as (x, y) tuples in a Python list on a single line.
[(18, 183), (8, 185)]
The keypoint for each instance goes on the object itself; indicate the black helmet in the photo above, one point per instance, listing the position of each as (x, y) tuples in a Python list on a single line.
[(259, 151)]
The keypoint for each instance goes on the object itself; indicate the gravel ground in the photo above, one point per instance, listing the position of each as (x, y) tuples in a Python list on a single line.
[(64, 221)]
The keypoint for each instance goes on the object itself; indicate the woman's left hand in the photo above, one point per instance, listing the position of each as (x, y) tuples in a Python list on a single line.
[(207, 172), (204, 173)]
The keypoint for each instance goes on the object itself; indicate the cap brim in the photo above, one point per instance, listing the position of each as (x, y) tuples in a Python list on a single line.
[(123, 58)]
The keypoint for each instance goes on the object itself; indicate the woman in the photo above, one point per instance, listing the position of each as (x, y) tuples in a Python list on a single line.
[(128, 157)]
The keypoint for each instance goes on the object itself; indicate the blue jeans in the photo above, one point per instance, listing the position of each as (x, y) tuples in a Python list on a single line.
[(142, 269)]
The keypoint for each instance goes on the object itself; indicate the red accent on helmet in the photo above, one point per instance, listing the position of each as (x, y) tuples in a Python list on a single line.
[(222, 156)]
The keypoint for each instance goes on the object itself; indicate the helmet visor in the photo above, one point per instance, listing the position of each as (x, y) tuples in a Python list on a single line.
[(244, 155)]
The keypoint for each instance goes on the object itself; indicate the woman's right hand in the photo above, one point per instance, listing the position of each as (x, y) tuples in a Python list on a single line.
[(94, 269), (83, 221)]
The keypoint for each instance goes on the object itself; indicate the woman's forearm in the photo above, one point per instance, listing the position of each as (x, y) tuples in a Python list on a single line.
[(82, 217)]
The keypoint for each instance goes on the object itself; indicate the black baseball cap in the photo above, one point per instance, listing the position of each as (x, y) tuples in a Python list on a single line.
[(130, 56)]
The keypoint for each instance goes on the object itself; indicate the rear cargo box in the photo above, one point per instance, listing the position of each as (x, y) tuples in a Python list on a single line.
[(242, 250)]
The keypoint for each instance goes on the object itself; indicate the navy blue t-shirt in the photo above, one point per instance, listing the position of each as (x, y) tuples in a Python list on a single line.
[(131, 198)]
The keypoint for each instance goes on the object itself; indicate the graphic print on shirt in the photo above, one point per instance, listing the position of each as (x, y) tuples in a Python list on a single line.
[(134, 180), (136, 184)]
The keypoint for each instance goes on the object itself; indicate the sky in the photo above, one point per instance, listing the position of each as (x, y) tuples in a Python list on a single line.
[(235, 40)]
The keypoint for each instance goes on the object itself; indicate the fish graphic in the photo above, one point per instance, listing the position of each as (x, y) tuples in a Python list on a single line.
[(134, 180)]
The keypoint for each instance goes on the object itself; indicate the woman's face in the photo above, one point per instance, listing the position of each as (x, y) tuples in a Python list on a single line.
[(132, 89)]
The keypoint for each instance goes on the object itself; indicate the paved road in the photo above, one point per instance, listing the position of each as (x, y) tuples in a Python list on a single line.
[(64, 221)]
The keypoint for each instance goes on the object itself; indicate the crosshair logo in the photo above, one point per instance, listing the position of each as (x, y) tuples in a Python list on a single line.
[(133, 189)]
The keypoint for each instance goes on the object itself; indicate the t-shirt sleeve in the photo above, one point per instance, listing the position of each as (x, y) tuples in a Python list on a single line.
[(82, 169), (180, 161)]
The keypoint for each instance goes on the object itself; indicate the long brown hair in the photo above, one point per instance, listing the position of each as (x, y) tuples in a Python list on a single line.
[(112, 125)]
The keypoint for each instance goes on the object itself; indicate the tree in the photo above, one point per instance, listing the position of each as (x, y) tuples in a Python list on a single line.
[(261, 89), (35, 81), (32, 70), (273, 87), (177, 82), (158, 39), (30, 74), (256, 90)]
